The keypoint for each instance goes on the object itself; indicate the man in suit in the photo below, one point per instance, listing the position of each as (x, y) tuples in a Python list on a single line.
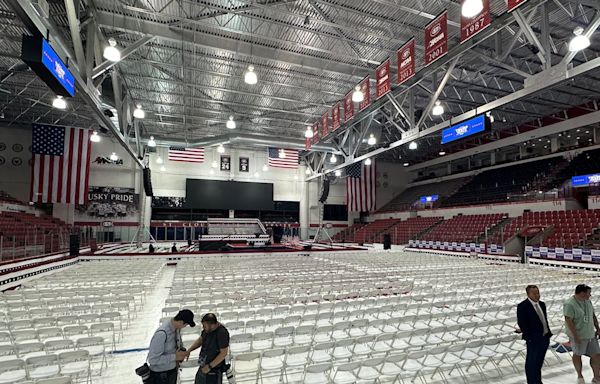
[(533, 322)]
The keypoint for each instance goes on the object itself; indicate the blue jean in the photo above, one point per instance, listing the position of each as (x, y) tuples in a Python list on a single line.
[(536, 351), (166, 377)]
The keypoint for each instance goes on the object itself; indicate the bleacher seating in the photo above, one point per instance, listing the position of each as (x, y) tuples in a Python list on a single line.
[(463, 228), (22, 230), (410, 196), (405, 230), (6, 198), (496, 184), (583, 164), (347, 234), (372, 231), (570, 228)]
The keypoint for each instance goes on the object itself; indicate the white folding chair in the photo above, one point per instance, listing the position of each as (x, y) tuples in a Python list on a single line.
[(346, 373), (76, 364), (247, 366), (271, 366), (42, 367), (12, 371), (317, 374)]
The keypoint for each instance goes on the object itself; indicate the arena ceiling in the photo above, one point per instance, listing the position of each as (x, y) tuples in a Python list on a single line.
[(184, 62)]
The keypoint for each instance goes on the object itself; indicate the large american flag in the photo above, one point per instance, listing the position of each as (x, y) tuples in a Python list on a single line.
[(289, 161), (360, 187), (61, 164), (188, 155)]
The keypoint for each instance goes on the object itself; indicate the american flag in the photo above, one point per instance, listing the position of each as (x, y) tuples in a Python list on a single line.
[(289, 161), (360, 187), (61, 164), (188, 155)]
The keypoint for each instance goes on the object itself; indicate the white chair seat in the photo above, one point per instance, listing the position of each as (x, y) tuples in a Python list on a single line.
[(12, 376), (42, 372)]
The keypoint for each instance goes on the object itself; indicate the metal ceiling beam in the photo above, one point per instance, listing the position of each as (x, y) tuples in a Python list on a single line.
[(106, 64), (73, 18), (589, 30), (531, 36), (39, 26), (438, 91)]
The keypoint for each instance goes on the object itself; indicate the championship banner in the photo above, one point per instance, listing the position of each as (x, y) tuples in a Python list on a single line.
[(366, 90), (316, 132), (382, 76), (325, 124), (469, 27), (406, 61), (109, 203), (436, 38), (514, 4), (348, 107), (244, 165), (307, 143), (335, 116)]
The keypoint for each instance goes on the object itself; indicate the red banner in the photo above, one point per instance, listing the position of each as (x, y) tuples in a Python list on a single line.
[(325, 124), (514, 4), (436, 38), (382, 76), (365, 87), (406, 61), (335, 116), (469, 27), (348, 107), (307, 143)]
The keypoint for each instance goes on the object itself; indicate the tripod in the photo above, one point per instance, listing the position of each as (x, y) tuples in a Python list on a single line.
[(321, 230)]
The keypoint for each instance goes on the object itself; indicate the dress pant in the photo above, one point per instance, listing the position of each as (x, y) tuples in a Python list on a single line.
[(166, 377), (536, 351), (209, 378)]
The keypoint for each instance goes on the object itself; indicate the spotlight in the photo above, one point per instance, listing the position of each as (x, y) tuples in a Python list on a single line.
[(162, 169), (230, 123), (111, 53), (333, 159), (151, 142), (256, 174), (471, 8), (579, 41), (338, 173), (357, 95), (159, 160), (490, 116), (221, 148), (413, 145), (250, 76), (438, 109), (265, 168), (368, 161), (282, 153), (371, 140), (406, 164), (309, 132), (59, 103), (442, 153), (95, 138), (212, 171), (214, 164), (307, 171), (138, 112), (113, 157)]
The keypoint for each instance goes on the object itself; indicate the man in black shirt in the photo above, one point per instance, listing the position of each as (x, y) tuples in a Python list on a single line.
[(214, 341)]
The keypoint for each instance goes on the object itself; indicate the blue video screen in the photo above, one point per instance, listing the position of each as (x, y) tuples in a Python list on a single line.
[(428, 199), (57, 68), (464, 129), (585, 180)]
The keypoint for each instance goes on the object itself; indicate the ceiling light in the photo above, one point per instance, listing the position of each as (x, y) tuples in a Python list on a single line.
[(357, 95), (490, 116), (472, 8), (159, 160), (539, 139), (406, 164), (545, 147), (265, 168), (221, 148), (95, 138), (309, 132), (442, 153), (212, 171), (533, 144), (162, 169), (296, 177), (113, 157), (307, 171), (560, 134), (111, 53), (333, 159), (371, 140), (282, 153), (230, 123), (413, 145), (438, 109), (256, 174), (579, 130), (59, 103), (368, 161), (589, 139), (250, 76), (568, 136), (579, 41), (577, 138), (338, 173), (138, 112), (151, 142), (587, 132), (214, 164)]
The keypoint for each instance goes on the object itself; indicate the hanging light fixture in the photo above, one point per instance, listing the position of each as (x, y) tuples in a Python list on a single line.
[(113, 157), (309, 132), (358, 96), (214, 164), (368, 161), (413, 145), (442, 153), (230, 123), (138, 112), (406, 164), (162, 169), (59, 102), (438, 109), (296, 177), (579, 41), (371, 140), (307, 171), (111, 53), (338, 173), (256, 174), (159, 160), (250, 76), (212, 171), (151, 142), (221, 148), (471, 8), (95, 138), (265, 168), (490, 116), (282, 153), (333, 159)]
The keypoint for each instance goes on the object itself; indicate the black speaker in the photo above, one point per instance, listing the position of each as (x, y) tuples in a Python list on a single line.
[(74, 245), (148, 182), (325, 191), (387, 241)]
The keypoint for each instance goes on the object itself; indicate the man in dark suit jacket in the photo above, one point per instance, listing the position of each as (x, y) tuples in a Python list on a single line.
[(533, 322)]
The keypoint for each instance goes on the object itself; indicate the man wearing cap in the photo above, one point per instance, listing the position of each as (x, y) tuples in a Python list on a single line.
[(583, 331), (214, 341), (166, 348)]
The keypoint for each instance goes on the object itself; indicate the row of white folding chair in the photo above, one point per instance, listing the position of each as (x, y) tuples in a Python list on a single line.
[(68, 365), (50, 321), (118, 309), (104, 330)]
